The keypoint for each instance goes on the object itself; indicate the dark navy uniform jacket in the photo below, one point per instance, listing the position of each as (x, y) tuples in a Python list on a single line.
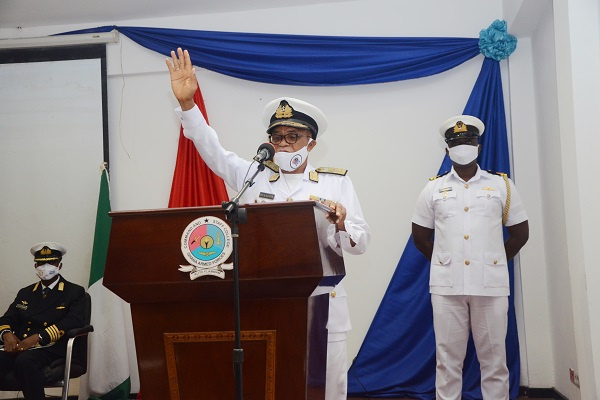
[(30, 314)]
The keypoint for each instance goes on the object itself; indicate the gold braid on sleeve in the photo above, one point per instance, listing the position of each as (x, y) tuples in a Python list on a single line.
[(507, 204)]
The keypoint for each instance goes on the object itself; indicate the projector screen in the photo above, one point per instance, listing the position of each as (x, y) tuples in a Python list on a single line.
[(54, 140)]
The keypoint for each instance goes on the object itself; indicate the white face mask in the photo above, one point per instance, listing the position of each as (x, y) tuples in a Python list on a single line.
[(46, 271), (291, 161), (463, 154)]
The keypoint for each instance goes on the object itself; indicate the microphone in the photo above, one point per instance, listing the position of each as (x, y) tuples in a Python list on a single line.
[(265, 152)]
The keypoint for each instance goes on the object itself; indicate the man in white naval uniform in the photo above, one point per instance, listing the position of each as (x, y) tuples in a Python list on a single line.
[(292, 126), (469, 281)]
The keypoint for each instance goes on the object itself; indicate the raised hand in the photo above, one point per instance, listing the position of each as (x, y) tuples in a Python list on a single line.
[(183, 78)]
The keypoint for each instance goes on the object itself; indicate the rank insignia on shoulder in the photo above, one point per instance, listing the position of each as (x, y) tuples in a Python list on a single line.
[(264, 195), (61, 286), (331, 170), (274, 178), (272, 166), (497, 173), (438, 176)]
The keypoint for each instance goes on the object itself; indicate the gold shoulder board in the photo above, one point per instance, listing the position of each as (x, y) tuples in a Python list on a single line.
[(272, 166), (438, 176), (331, 170)]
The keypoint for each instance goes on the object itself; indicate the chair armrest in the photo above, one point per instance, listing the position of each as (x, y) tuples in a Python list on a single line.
[(79, 331)]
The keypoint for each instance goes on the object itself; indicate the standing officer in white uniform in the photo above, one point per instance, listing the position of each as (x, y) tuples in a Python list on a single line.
[(292, 126), (469, 281)]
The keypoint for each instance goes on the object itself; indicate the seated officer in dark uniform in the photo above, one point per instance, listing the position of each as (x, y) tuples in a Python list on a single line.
[(31, 330)]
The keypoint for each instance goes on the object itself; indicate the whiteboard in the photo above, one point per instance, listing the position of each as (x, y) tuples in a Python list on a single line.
[(51, 124)]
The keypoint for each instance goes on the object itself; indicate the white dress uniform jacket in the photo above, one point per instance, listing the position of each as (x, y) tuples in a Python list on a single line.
[(468, 252), (235, 171)]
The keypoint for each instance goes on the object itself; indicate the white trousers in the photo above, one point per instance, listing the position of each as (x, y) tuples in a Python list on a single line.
[(336, 383), (487, 318)]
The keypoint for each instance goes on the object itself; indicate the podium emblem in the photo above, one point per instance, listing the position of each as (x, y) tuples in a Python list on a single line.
[(206, 244)]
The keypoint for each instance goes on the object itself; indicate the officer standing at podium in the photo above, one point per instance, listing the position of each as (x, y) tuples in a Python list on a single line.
[(293, 127)]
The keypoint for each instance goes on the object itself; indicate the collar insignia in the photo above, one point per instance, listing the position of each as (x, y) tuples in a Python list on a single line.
[(274, 178)]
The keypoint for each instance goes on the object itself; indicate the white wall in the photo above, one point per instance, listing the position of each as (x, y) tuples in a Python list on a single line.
[(558, 73), (399, 122), (578, 72)]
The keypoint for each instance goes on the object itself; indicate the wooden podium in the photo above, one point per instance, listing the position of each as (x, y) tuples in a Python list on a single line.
[(184, 329)]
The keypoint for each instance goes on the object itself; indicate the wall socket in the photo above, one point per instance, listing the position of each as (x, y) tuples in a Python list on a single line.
[(574, 376)]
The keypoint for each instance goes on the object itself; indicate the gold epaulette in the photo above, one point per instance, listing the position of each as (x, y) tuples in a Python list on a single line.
[(331, 170), (438, 176), (272, 166), (36, 286), (314, 175), (274, 178)]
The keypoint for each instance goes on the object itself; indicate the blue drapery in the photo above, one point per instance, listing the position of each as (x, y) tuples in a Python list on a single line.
[(304, 60), (397, 357)]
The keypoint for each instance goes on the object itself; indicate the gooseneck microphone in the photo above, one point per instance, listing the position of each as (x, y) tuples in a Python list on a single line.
[(265, 152)]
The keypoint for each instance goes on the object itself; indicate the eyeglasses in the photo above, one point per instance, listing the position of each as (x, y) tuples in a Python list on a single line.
[(290, 138)]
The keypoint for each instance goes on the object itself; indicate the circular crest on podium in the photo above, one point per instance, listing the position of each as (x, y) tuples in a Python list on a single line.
[(206, 243)]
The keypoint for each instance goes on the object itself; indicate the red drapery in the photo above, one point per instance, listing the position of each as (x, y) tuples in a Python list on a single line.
[(194, 184)]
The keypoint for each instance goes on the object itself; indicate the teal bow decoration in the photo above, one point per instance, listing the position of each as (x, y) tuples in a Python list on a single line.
[(495, 42)]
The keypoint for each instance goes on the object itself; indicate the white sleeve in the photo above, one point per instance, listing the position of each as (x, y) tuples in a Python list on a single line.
[(357, 228), (226, 164), (423, 214), (516, 211)]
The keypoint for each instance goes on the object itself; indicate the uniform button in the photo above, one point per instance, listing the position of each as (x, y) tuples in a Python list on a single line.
[(45, 324), (28, 329), (24, 335), (467, 262), (466, 209), (495, 262), (466, 185), (466, 237), (28, 322), (333, 293)]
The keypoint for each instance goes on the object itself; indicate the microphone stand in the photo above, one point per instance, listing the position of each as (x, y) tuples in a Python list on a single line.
[(236, 216)]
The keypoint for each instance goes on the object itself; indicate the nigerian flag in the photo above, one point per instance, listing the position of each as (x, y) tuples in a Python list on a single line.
[(108, 376)]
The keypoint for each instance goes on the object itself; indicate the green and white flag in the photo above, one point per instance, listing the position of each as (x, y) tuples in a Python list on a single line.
[(108, 376)]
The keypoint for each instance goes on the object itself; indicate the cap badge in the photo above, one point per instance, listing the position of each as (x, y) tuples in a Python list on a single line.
[(284, 110), (460, 127), (45, 251)]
